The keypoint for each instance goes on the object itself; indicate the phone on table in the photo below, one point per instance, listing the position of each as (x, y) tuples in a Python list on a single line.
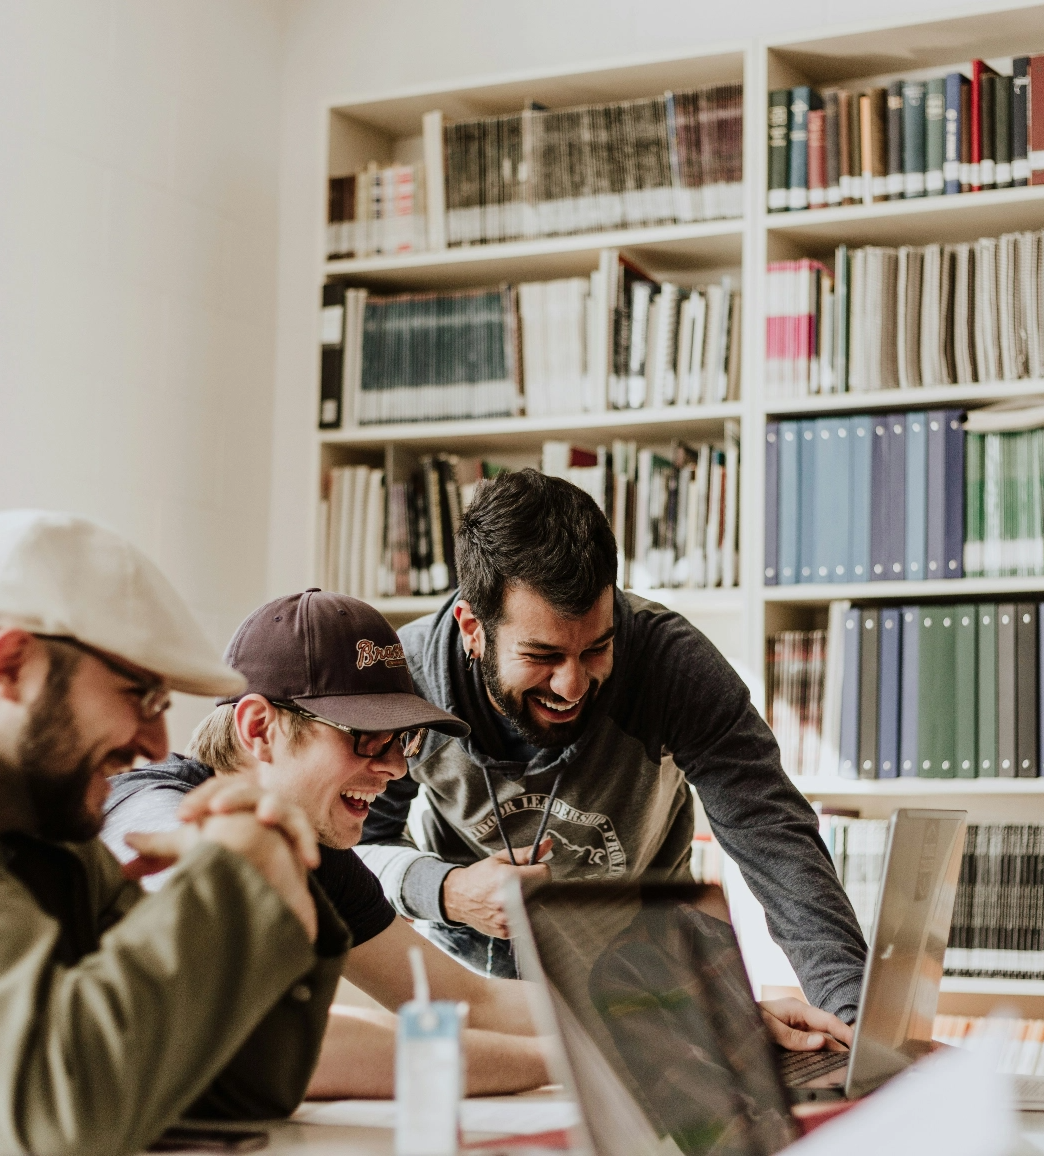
[(209, 1140)]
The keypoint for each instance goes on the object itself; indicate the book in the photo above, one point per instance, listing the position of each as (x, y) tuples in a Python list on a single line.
[(937, 652), (965, 688), (934, 136), (916, 496), (980, 132), (987, 128), (331, 356), (847, 160), (895, 144), (807, 496), (861, 496), (795, 680), (1020, 163), (1002, 137), (888, 693), (779, 149), (1007, 675), (771, 502), (910, 692), (954, 112), (788, 520), (817, 159), (869, 657), (836, 137), (986, 690), (914, 126), (802, 100), (1026, 692), (848, 767), (1036, 120)]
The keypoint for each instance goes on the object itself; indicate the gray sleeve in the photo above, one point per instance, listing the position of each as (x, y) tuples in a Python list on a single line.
[(411, 879), (701, 709), (153, 808)]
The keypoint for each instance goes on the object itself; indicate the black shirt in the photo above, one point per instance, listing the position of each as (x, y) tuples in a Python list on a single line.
[(147, 799)]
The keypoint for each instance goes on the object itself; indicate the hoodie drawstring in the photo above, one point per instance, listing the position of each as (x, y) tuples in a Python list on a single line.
[(543, 821)]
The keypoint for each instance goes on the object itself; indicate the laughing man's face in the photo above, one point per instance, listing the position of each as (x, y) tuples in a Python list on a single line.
[(543, 671)]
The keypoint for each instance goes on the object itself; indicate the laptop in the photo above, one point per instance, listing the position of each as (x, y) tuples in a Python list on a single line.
[(659, 1039)]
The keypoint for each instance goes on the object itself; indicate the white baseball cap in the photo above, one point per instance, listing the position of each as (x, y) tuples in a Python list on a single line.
[(65, 576)]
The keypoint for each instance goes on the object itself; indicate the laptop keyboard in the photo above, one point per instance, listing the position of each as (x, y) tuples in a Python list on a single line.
[(798, 1068)]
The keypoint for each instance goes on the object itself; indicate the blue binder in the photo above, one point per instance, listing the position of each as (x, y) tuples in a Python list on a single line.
[(771, 502), (788, 520), (831, 484), (935, 503), (807, 452), (953, 541), (916, 495), (888, 672), (859, 450), (895, 513)]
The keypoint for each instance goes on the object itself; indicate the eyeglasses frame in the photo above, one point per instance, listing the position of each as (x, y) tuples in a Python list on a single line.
[(356, 733), (153, 694)]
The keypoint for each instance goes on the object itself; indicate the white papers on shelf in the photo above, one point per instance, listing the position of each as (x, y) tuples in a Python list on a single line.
[(514, 1115)]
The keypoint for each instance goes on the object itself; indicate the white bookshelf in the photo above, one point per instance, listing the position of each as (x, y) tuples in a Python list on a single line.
[(738, 620)]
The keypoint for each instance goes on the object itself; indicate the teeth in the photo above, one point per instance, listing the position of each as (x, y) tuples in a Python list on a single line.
[(360, 796), (559, 706)]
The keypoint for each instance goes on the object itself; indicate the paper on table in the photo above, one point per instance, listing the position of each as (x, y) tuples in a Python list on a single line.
[(954, 1102), (513, 1116)]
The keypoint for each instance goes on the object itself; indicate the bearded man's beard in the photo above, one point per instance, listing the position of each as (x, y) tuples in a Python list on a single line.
[(50, 765), (515, 707)]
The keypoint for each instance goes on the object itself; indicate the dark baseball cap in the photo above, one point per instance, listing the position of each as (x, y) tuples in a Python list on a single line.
[(338, 658)]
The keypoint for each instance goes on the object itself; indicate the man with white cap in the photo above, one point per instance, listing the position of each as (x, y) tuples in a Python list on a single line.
[(119, 1013)]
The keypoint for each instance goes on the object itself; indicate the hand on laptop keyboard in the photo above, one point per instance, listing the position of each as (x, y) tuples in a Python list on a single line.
[(801, 1028)]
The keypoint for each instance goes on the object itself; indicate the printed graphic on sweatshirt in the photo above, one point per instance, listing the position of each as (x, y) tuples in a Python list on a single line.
[(585, 837)]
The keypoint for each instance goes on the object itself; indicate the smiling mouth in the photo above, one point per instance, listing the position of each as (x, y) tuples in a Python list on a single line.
[(358, 802), (557, 710)]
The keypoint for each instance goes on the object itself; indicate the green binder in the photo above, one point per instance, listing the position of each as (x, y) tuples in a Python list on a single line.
[(965, 679), (936, 748), (987, 690)]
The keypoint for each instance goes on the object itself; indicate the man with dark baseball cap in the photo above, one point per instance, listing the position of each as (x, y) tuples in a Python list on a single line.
[(119, 1012), (328, 718)]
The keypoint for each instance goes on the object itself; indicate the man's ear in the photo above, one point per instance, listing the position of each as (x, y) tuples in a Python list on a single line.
[(23, 661), (256, 724), (471, 633)]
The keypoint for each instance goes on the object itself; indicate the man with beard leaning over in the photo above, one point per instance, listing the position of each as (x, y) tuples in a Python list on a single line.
[(591, 712), (120, 1013)]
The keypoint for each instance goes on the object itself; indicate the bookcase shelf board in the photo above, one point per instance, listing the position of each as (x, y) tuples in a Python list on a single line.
[(399, 115), (815, 232), (957, 589), (989, 986), (826, 786), (900, 46), (660, 250), (938, 397), (513, 433)]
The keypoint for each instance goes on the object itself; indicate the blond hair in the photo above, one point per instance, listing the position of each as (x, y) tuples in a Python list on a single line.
[(216, 743)]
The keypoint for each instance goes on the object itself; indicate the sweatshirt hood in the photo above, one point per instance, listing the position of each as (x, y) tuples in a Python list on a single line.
[(454, 688), (174, 769)]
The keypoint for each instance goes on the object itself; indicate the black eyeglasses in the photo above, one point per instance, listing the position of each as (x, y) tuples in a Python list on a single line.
[(367, 744), (153, 695)]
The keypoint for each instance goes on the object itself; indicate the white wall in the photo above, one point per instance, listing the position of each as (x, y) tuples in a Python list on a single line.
[(337, 49), (138, 190)]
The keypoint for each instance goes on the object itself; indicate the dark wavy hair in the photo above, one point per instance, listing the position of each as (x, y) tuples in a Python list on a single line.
[(527, 529)]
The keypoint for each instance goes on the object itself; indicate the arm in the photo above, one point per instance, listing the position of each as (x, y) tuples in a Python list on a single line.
[(495, 1063), (727, 752), (153, 808), (100, 1057), (380, 969)]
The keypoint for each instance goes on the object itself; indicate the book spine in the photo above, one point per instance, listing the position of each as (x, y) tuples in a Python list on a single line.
[(788, 506), (869, 652), (914, 124), (817, 168), (936, 495), (332, 356), (1036, 120), (895, 542), (778, 149), (916, 495), (847, 175), (1026, 691), (880, 489), (895, 140), (1002, 131), (975, 177), (848, 764), (952, 134), (771, 502), (807, 452), (934, 136), (987, 130), (879, 143), (888, 694), (966, 136), (986, 652), (831, 110), (954, 466), (800, 104), (909, 713), (965, 678), (1006, 691), (1020, 91), (860, 451)]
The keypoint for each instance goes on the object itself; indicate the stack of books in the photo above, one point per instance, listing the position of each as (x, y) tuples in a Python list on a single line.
[(675, 515), (998, 919), (908, 317), (865, 498), (933, 691), (351, 531), (1004, 520), (618, 339), (795, 664), (912, 138), (379, 211), (546, 172)]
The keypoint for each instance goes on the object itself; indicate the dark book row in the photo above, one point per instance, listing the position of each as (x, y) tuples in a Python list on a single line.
[(913, 138), (545, 172)]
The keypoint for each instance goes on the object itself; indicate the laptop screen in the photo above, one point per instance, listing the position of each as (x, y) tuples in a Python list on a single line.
[(664, 1042)]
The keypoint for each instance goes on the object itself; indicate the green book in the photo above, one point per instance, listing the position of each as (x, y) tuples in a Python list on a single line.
[(1006, 702), (987, 690), (934, 136), (965, 679), (778, 149), (935, 746)]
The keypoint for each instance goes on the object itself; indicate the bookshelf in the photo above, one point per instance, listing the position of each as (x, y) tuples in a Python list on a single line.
[(738, 620)]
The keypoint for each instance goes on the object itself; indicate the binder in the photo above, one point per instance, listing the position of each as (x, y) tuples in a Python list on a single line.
[(895, 538), (868, 690), (860, 438), (771, 501), (965, 679), (788, 528), (831, 486), (1006, 705), (880, 462), (953, 544), (1026, 690), (916, 495), (909, 713), (849, 741), (888, 694), (807, 451), (987, 690), (936, 737), (935, 502)]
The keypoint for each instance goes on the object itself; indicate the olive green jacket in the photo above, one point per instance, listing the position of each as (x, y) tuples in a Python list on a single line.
[(203, 999)]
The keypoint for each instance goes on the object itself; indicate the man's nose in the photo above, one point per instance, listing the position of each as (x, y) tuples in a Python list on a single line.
[(392, 763), (570, 680), (151, 739)]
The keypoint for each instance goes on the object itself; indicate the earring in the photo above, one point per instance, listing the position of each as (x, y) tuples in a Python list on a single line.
[(469, 662)]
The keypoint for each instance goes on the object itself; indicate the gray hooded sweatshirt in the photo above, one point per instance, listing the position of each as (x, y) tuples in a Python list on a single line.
[(672, 713)]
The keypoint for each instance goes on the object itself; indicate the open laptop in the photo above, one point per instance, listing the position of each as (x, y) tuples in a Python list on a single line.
[(660, 1040)]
